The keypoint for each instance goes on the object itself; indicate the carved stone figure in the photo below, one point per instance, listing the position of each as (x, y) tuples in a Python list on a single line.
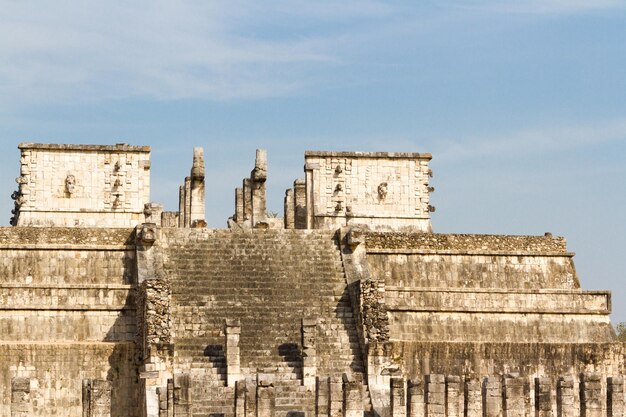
[(70, 184), (382, 191)]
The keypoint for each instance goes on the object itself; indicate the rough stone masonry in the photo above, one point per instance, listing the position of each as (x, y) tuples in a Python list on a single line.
[(350, 305)]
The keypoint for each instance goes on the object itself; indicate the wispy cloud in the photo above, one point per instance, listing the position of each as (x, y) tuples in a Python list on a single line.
[(532, 141), (55, 51), (538, 7)]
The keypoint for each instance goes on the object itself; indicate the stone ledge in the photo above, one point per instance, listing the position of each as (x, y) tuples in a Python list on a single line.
[(87, 308), (120, 147), (464, 242), (343, 154), (498, 301), (55, 236), (483, 252)]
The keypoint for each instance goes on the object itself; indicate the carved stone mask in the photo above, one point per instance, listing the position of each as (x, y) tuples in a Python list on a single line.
[(70, 184), (382, 190)]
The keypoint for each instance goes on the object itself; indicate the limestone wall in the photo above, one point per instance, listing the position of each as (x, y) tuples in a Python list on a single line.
[(484, 288), (477, 359), (377, 189), (55, 372), (67, 318), (82, 185)]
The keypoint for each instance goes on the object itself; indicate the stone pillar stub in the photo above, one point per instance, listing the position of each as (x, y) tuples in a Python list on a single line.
[(265, 398), (473, 398), (492, 397), (543, 397), (336, 397), (258, 177), (21, 404), (615, 393), (239, 217), (453, 387), (591, 395), (514, 401), (322, 396), (247, 199), (187, 201), (233, 360), (415, 394), (398, 399), (309, 352), (289, 209), (241, 398), (299, 204), (435, 395), (352, 397), (567, 402), (181, 206), (96, 398), (197, 209)]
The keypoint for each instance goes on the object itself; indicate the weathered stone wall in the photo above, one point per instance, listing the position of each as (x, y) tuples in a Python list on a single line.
[(484, 288), (493, 358), (381, 190), (67, 315), (82, 185), (56, 372)]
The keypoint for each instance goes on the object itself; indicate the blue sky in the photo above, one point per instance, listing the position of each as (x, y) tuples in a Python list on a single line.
[(521, 103)]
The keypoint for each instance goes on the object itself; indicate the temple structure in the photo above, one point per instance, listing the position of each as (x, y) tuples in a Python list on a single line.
[(350, 305)]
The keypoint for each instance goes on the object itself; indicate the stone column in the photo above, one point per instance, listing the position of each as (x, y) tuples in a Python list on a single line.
[(415, 393), (197, 187), (247, 199), (591, 395), (288, 209), (492, 397), (310, 197), (514, 402), (258, 176), (187, 201), (162, 394), (322, 397), (543, 397), (21, 405), (566, 404), (336, 397), (182, 399), (233, 367), (615, 400), (299, 204), (435, 395), (241, 398), (397, 401), (453, 386), (309, 353), (181, 206), (96, 398), (170, 397), (473, 398), (239, 205), (352, 397), (265, 399)]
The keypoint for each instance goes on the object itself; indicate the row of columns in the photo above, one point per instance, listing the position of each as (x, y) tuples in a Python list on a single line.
[(510, 396), (250, 199), (295, 206)]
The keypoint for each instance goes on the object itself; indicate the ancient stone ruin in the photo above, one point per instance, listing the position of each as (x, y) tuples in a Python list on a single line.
[(348, 306)]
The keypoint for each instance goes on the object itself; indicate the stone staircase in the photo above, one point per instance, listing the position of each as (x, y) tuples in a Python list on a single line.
[(269, 280)]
